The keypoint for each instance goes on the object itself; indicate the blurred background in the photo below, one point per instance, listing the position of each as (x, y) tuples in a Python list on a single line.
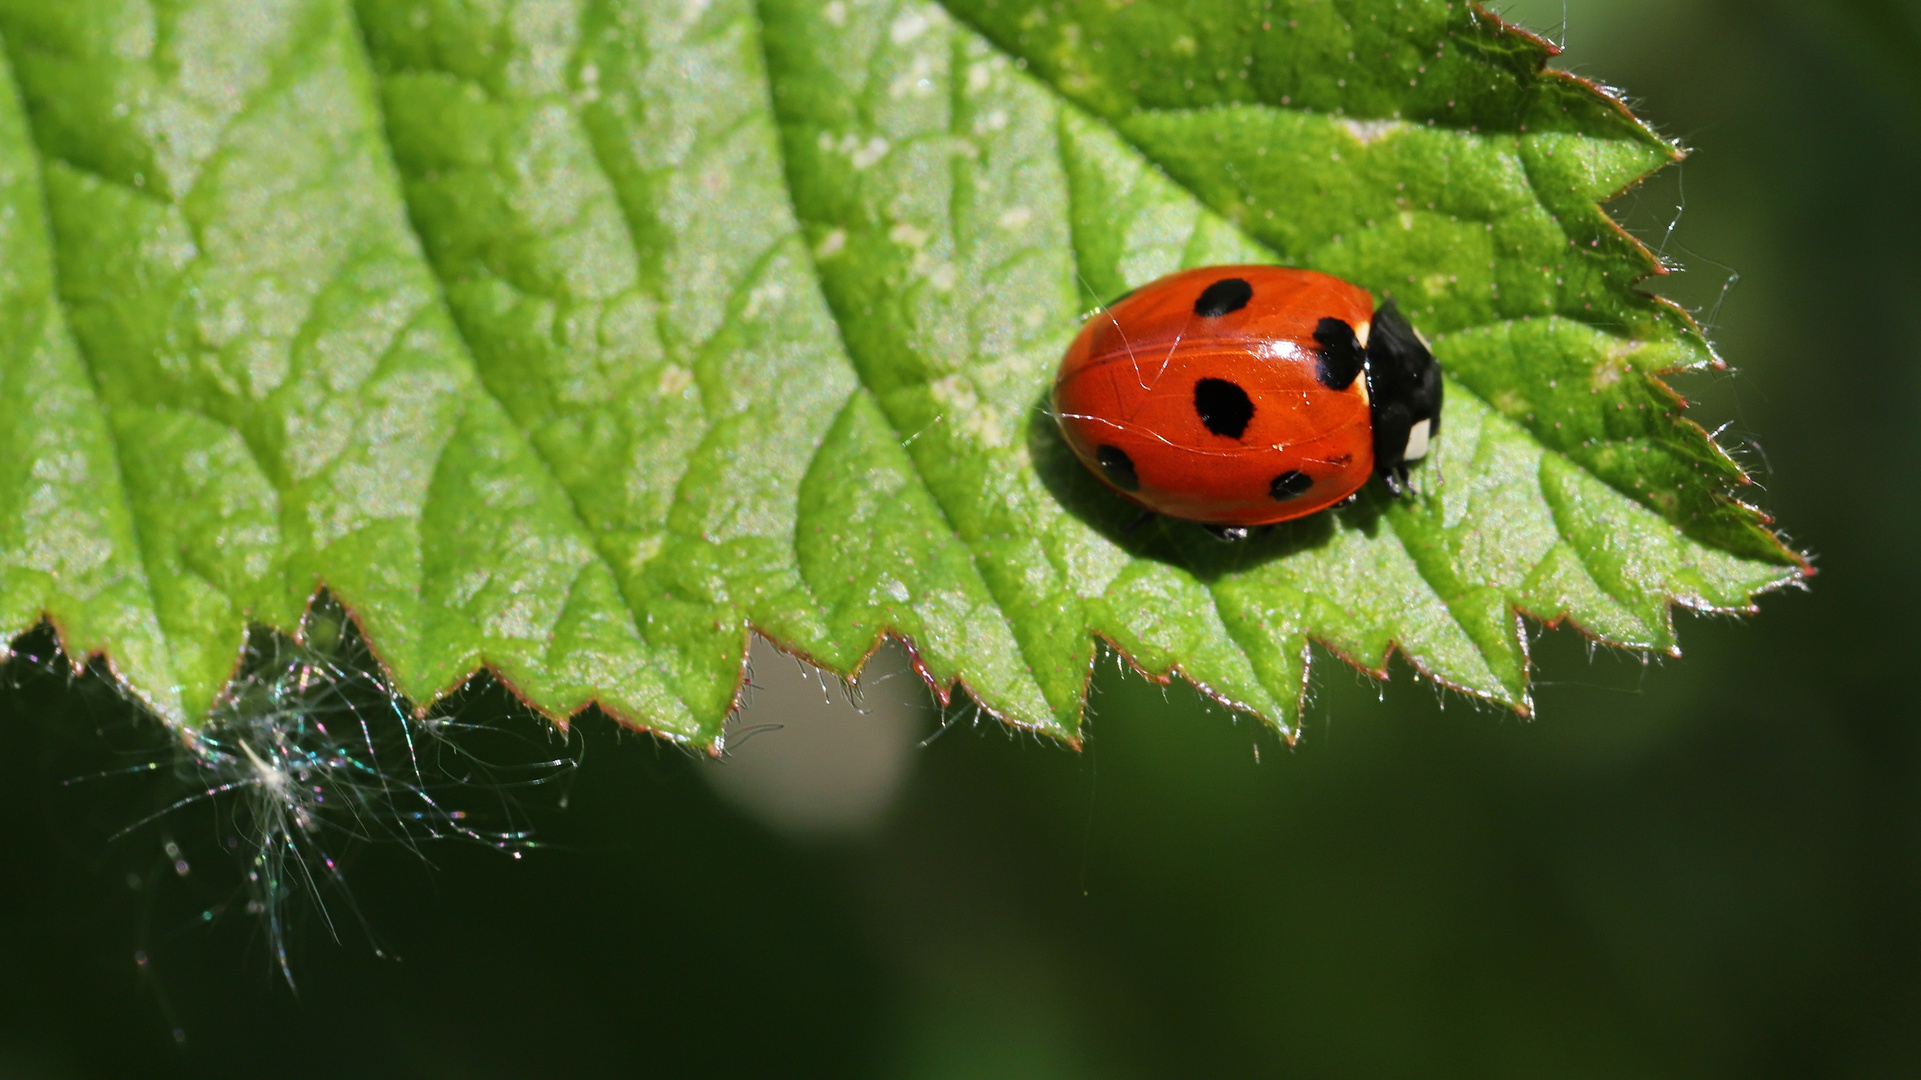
[(1704, 867)]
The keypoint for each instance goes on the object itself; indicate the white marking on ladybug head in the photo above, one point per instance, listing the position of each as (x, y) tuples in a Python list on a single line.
[(1360, 334), (1417, 437)]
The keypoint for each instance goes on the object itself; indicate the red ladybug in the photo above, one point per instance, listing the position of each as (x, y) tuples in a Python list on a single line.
[(1237, 396)]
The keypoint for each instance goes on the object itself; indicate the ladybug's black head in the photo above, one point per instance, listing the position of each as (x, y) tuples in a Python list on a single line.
[(1404, 386)]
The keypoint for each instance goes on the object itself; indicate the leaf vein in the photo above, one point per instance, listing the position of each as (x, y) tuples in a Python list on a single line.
[(58, 307), (940, 504), (575, 517)]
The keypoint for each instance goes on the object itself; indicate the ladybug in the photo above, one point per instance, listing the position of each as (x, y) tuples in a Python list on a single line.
[(1237, 396)]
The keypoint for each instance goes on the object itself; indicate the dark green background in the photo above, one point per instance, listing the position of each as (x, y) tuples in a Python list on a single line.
[(1706, 867)]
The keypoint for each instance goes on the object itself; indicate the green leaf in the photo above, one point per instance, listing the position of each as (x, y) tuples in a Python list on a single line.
[(575, 338)]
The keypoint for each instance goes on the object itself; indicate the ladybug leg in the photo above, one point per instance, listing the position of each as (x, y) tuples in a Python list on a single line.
[(1347, 502), (1228, 534), (1396, 480), (1146, 516)]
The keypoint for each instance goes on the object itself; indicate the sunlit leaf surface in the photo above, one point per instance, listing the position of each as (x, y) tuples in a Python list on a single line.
[(576, 338)]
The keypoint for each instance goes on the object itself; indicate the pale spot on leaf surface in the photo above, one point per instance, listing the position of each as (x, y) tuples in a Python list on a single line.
[(1369, 132)]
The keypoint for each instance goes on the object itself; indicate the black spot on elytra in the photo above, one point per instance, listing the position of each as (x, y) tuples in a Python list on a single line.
[(1341, 353), (1117, 467), (1291, 484), (1225, 295), (1224, 407)]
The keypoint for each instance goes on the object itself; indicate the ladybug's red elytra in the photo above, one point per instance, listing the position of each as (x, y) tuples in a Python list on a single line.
[(1237, 396)]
